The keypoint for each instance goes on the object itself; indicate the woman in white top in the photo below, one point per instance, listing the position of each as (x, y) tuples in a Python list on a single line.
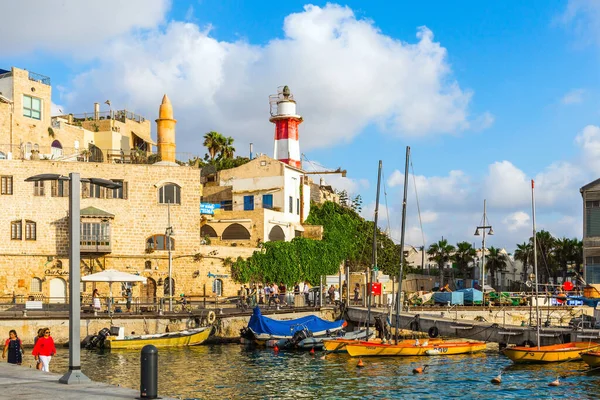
[(96, 300)]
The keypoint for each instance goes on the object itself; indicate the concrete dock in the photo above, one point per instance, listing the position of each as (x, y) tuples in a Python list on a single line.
[(19, 382)]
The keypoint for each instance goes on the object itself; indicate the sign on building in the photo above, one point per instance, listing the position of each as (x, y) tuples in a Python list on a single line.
[(208, 208)]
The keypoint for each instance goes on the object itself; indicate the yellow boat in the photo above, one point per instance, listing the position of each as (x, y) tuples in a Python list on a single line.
[(591, 358), (547, 354), (364, 349), (189, 337), (339, 345)]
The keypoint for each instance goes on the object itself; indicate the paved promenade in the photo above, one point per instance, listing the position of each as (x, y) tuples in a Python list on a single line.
[(17, 382)]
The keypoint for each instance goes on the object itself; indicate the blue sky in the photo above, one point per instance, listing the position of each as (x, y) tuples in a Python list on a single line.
[(497, 92)]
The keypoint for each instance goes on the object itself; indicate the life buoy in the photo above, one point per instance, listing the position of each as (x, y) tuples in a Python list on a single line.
[(211, 317), (433, 332), (414, 326)]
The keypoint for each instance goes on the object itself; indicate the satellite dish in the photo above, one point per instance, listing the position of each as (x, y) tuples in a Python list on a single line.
[(528, 284)]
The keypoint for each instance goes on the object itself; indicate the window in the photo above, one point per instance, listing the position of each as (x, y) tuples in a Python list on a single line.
[(268, 201), (6, 186), (291, 204), (592, 218), (32, 107), (148, 264), (159, 242), (248, 203), (218, 287), (36, 285), (38, 188), (227, 205), (119, 193), (298, 206), (96, 191), (16, 230), (30, 230), (169, 193), (169, 283), (59, 189), (95, 234)]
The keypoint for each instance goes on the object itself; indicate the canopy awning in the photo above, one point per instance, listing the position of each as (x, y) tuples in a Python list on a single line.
[(95, 212), (144, 137), (112, 275)]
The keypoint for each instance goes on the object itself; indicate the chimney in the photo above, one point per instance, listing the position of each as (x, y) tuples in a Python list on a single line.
[(251, 147), (96, 111)]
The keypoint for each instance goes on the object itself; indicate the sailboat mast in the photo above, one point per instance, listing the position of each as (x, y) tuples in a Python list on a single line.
[(398, 300), (374, 255), (535, 269)]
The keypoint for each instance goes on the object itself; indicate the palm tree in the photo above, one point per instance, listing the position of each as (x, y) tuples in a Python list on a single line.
[(545, 258), (495, 261), (563, 254), (524, 254), (440, 253), (578, 255), (227, 150), (213, 141), (464, 257)]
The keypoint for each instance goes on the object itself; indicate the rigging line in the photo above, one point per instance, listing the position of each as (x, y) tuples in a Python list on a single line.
[(418, 206), (387, 209), (313, 165)]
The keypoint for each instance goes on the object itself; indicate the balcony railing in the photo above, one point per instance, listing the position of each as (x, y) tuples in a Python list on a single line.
[(39, 78), (95, 244)]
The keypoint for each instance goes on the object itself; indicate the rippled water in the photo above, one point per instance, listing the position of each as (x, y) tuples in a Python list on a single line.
[(234, 372)]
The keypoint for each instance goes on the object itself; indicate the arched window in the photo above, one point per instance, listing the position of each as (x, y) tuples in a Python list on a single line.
[(236, 232), (169, 193), (28, 148), (168, 283), (276, 234), (218, 287), (16, 230), (208, 230), (30, 230), (159, 242), (148, 264), (36, 285), (96, 154), (56, 149)]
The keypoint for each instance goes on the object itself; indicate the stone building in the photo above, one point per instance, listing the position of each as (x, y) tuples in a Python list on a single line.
[(124, 228), (590, 194)]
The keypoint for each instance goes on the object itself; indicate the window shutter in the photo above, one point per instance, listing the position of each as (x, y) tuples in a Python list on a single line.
[(54, 188), (66, 188), (125, 190), (85, 190), (109, 193), (102, 192)]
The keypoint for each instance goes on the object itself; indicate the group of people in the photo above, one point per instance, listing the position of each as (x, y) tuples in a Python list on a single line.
[(97, 305), (271, 293), (43, 349)]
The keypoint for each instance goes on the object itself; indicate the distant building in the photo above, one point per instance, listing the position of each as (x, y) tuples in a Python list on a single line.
[(590, 194)]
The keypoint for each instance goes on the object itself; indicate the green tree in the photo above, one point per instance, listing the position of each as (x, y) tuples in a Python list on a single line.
[(547, 265), (227, 150), (343, 198), (464, 258), (357, 204), (524, 254), (213, 141), (441, 253), (495, 261)]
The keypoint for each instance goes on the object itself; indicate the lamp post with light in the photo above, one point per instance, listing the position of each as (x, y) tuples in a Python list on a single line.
[(168, 233), (484, 225), (74, 375)]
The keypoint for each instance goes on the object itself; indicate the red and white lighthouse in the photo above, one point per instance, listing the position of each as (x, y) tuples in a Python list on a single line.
[(283, 115)]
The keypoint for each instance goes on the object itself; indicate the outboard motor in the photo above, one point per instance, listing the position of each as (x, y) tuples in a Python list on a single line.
[(102, 335), (301, 335)]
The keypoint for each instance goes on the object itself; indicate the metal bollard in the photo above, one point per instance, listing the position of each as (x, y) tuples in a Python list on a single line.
[(149, 372)]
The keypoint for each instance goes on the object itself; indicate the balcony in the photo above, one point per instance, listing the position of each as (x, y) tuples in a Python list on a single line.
[(95, 244)]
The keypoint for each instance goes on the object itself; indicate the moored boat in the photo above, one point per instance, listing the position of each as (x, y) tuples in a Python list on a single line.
[(338, 345), (364, 349), (547, 354), (190, 337), (591, 358)]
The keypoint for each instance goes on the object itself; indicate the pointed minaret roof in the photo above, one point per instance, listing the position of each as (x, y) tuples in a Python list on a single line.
[(166, 109)]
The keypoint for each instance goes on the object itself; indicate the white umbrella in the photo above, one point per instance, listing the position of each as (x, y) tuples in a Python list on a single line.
[(112, 275)]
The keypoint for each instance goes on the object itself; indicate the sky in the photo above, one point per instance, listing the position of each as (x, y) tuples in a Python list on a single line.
[(488, 95)]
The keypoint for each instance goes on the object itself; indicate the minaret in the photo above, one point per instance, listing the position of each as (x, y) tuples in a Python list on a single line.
[(287, 146), (165, 131)]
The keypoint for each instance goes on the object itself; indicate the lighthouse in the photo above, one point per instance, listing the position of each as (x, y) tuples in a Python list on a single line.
[(165, 131), (283, 115)]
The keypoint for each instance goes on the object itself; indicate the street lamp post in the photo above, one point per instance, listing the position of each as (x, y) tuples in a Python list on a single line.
[(485, 225), (168, 234), (74, 375)]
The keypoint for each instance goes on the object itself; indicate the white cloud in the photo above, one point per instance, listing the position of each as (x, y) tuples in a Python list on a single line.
[(583, 18), (344, 72), (589, 142), (506, 185), (56, 109), (516, 221), (74, 26), (574, 96), (483, 121)]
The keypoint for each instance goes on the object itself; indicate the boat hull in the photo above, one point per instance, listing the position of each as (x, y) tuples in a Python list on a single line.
[(591, 358), (367, 349), (339, 345), (177, 339), (548, 354)]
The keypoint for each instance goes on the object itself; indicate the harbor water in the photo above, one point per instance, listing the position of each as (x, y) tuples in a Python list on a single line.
[(239, 372)]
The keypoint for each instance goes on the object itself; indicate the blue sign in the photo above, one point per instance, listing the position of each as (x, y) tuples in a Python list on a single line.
[(208, 208), (217, 276)]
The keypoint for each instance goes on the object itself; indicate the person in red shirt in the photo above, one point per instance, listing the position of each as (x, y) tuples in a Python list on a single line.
[(44, 349)]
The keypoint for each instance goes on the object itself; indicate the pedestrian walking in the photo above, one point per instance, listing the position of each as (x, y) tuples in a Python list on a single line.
[(128, 295), (14, 347), (44, 349)]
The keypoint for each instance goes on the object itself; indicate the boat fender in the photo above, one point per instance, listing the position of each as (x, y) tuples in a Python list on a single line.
[(211, 317), (433, 332)]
